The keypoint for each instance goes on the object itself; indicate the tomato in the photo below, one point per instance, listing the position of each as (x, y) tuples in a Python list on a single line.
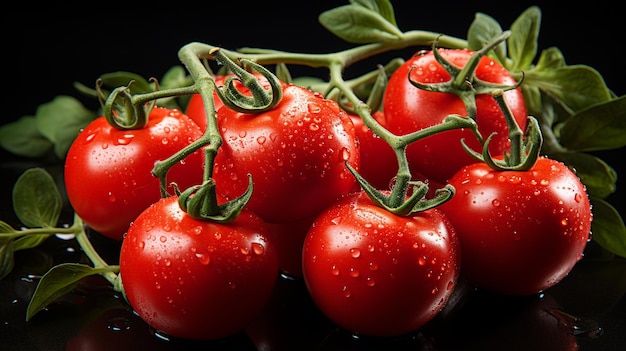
[(409, 109), (289, 237), (195, 279), (108, 172), (521, 232), (295, 153), (195, 107), (379, 164), (378, 274)]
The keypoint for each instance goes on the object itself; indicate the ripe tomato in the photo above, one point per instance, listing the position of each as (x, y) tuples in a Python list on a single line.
[(378, 160), (108, 172), (295, 153), (408, 109), (197, 279), (378, 274), (521, 232), (195, 106)]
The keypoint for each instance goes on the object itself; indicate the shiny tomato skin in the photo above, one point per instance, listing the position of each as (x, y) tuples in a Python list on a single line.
[(295, 153), (377, 274), (408, 109), (195, 279), (521, 232), (108, 172), (379, 164)]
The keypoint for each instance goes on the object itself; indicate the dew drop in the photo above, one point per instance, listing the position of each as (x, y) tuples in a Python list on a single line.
[(421, 261), (355, 252), (90, 137), (370, 282), (314, 127), (495, 202), (111, 197), (261, 140), (354, 273), (164, 141), (334, 270), (578, 197), (346, 292), (258, 249), (203, 259), (163, 238), (314, 108)]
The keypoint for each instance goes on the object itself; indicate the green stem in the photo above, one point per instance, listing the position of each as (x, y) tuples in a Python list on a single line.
[(88, 249)]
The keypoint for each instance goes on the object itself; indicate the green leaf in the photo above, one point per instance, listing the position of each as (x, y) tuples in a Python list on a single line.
[(58, 281), (60, 121), (359, 25), (482, 31), (550, 58), (36, 199), (23, 138), (382, 7), (600, 127), (577, 87), (7, 261), (599, 178), (608, 228), (522, 43), (29, 241)]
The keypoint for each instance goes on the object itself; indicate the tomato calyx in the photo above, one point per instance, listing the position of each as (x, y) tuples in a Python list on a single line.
[(200, 202), (464, 82), (120, 110), (525, 146), (261, 100)]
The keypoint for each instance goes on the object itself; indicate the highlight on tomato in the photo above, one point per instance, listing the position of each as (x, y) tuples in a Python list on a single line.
[(108, 170)]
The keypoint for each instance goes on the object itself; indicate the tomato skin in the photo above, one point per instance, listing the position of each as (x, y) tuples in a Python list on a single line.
[(378, 274), (296, 154), (520, 232), (196, 279), (379, 164), (408, 109), (108, 172)]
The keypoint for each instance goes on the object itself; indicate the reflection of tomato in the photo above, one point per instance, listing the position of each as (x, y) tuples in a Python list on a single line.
[(197, 279), (378, 274), (408, 109), (378, 160), (521, 232), (498, 322), (295, 153), (108, 172)]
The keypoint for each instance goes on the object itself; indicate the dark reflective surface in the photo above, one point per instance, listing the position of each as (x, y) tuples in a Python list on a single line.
[(586, 311)]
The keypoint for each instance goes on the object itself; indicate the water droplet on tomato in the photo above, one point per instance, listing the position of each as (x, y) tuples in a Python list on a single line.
[(355, 252), (370, 282), (354, 273), (166, 129), (111, 196), (346, 291), (314, 127), (495, 202), (261, 140), (90, 137), (314, 108), (421, 261), (544, 182), (203, 259), (578, 197), (334, 270), (258, 249)]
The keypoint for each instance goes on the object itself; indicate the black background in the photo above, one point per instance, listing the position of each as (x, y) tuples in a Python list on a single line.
[(46, 51)]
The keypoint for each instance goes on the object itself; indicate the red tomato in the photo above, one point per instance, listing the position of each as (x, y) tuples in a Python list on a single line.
[(195, 106), (289, 238), (378, 274), (108, 172), (520, 232), (296, 154), (197, 279), (379, 164), (408, 109)]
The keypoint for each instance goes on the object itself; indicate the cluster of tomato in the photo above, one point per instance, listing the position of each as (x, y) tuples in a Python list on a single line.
[(368, 270)]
